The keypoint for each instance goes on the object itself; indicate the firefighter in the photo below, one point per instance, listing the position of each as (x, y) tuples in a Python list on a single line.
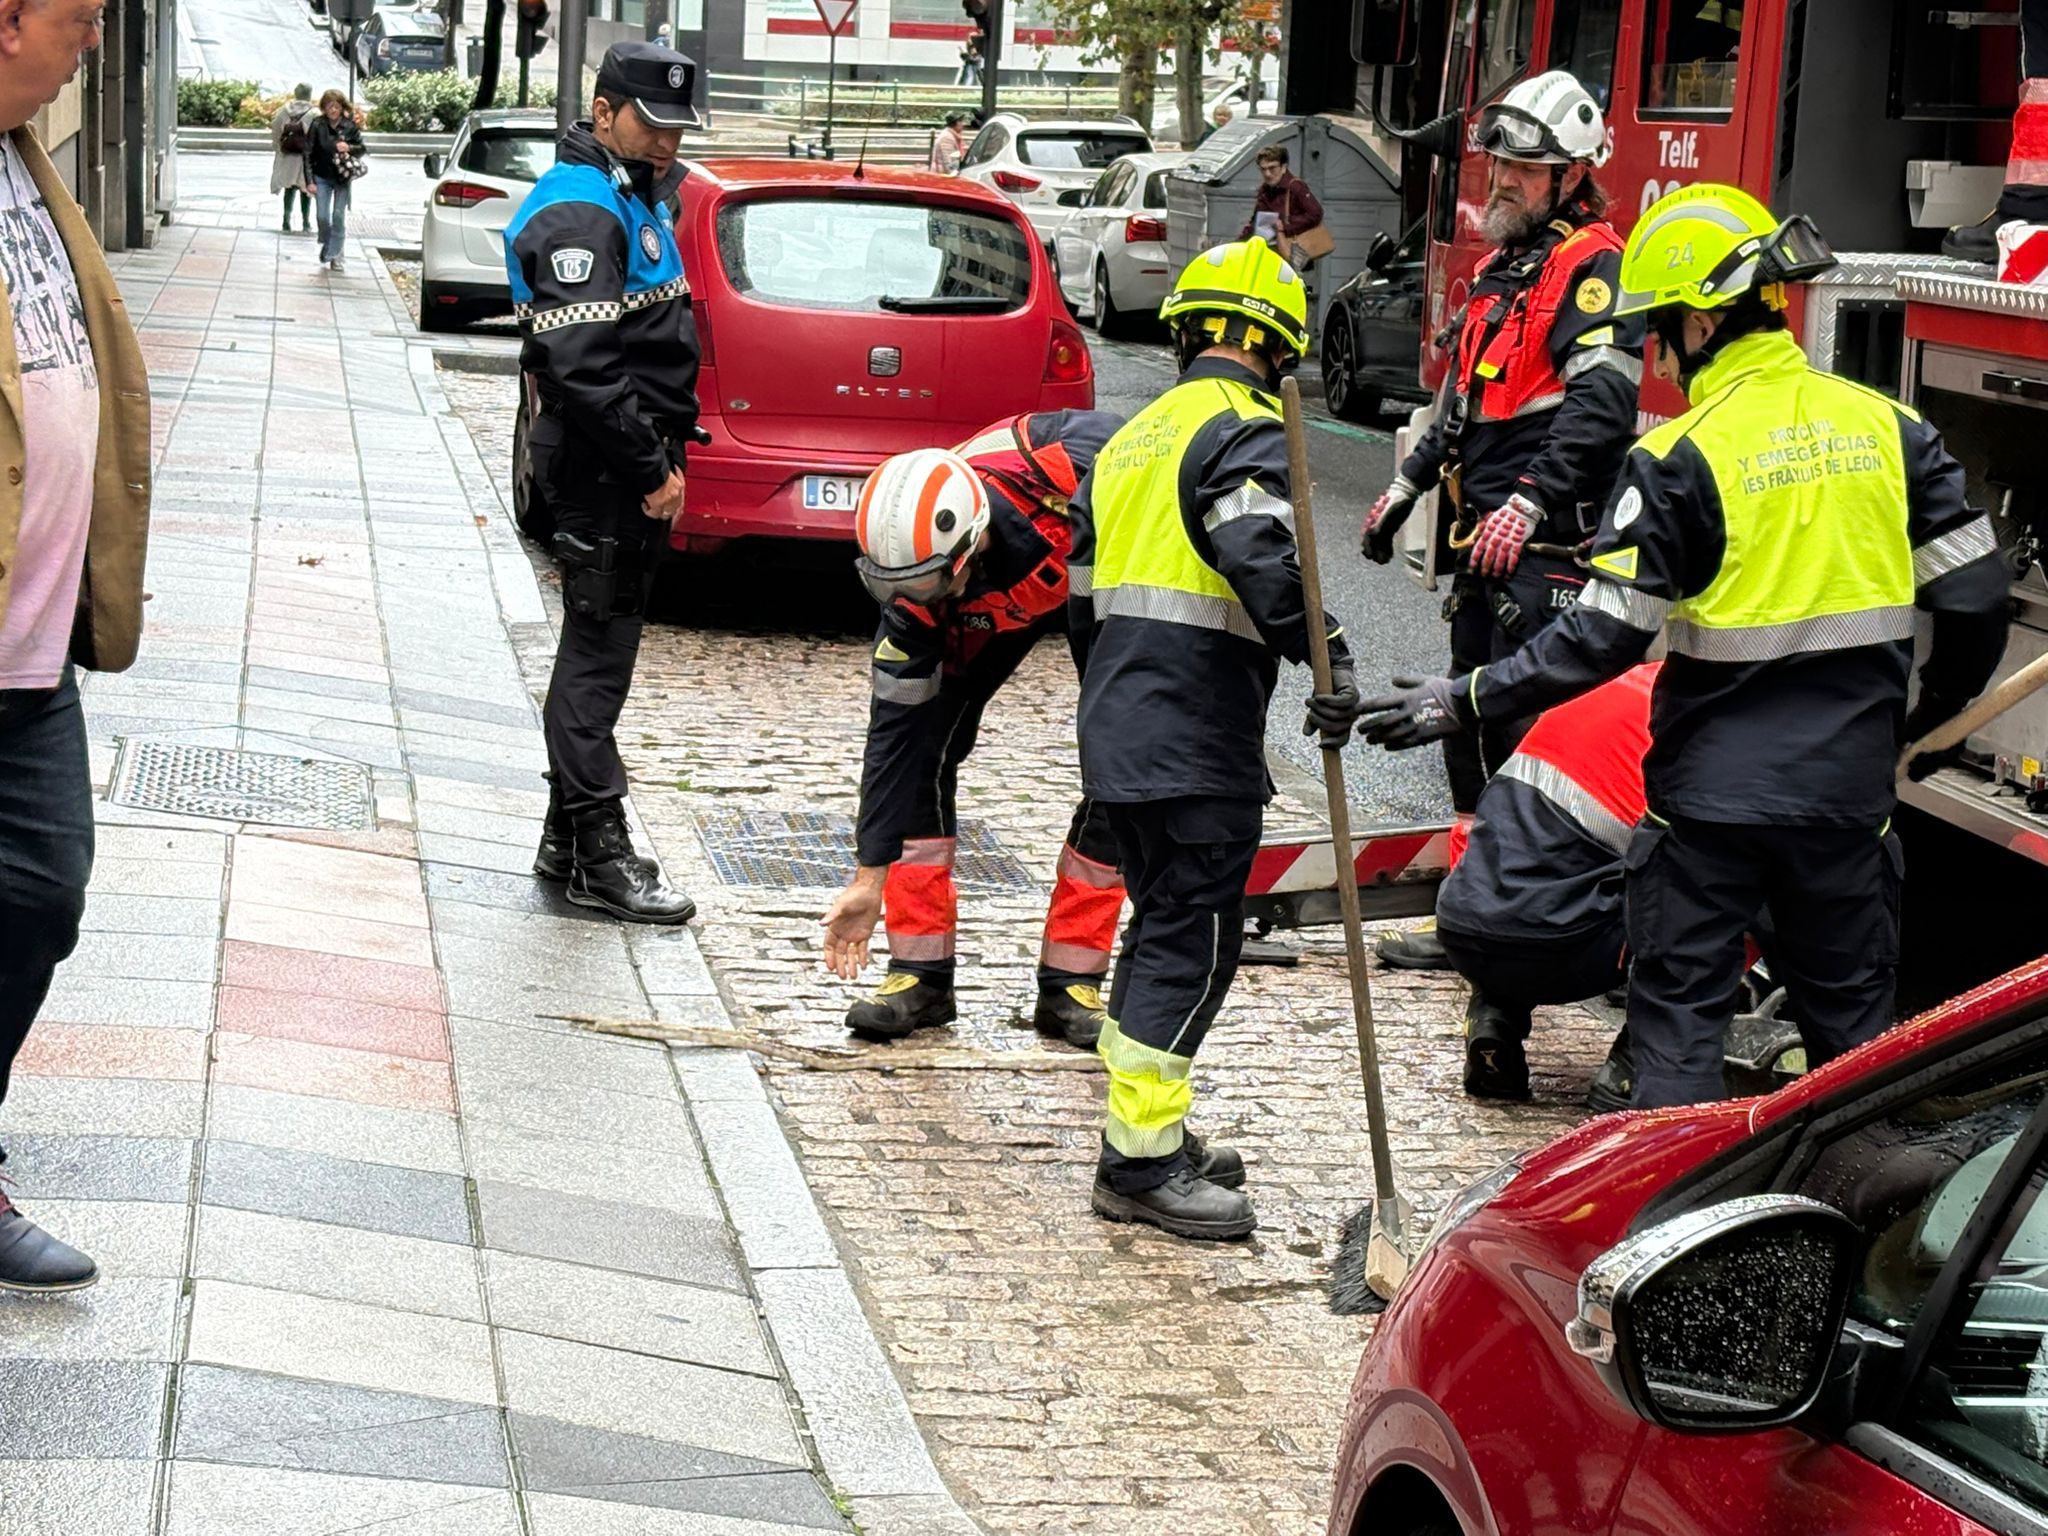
[(1780, 534), (606, 331), (967, 553), (1537, 408), (1186, 591), (1532, 914)]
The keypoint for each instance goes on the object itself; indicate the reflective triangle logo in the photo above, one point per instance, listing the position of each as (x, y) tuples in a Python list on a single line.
[(889, 650), (1617, 562)]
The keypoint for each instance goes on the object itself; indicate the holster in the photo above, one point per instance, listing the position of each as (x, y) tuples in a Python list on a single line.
[(590, 575)]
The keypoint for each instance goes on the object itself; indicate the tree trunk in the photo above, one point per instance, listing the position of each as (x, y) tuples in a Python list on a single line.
[(1187, 80), (1135, 84)]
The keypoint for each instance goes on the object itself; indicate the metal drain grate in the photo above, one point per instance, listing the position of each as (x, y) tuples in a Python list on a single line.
[(227, 785), (789, 849)]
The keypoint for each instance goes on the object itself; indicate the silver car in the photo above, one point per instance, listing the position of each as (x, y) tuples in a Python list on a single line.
[(1109, 253), (1032, 163)]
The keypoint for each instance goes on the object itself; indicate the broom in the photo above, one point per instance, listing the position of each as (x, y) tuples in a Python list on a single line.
[(2029, 680), (1372, 1257)]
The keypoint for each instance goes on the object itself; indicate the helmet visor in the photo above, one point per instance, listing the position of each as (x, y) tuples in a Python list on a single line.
[(1514, 135), (922, 584), (1794, 252)]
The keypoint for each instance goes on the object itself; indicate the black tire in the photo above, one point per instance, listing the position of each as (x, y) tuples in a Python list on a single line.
[(1113, 323), (436, 316), (1340, 386), (529, 507)]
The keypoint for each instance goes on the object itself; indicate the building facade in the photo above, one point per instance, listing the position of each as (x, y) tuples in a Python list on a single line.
[(110, 132)]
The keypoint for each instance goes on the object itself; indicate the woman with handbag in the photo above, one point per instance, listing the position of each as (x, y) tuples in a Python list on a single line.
[(1286, 214), (334, 158)]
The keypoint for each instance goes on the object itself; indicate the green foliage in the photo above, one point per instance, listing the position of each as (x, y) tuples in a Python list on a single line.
[(257, 111), (437, 102), (212, 103)]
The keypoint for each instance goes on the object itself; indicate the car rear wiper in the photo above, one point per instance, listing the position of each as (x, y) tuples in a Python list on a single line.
[(963, 303)]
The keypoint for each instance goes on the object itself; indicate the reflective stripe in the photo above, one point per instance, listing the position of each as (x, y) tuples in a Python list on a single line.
[(1770, 642), (1171, 607), (1076, 959), (674, 288), (1638, 610), (1247, 501), (920, 948), (1571, 797), (928, 850), (1080, 580), (1954, 550), (1530, 407), (1120, 1053), (905, 690), (1627, 364), (1083, 870), (591, 313), (1149, 1095)]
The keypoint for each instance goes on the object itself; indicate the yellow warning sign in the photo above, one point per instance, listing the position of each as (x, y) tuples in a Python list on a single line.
[(1594, 296), (889, 650), (1617, 562)]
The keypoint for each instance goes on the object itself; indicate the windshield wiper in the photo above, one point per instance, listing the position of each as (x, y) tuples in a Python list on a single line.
[(965, 303)]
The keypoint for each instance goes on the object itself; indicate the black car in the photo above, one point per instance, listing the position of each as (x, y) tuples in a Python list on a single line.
[(1372, 332), (398, 39)]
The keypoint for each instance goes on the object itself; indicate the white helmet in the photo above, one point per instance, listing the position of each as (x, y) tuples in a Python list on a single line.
[(920, 516), (1550, 120)]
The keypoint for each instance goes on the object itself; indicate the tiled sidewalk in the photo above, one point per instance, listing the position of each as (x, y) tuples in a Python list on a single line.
[(382, 1247)]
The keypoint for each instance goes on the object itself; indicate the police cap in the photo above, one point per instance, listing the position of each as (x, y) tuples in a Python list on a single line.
[(658, 81)]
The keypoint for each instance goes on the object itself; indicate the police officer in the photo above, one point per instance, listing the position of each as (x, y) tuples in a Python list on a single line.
[(1781, 534), (1538, 407), (967, 553), (604, 315), (1186, 591)]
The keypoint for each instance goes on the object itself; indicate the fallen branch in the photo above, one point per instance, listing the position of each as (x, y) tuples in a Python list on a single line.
[(891, 1058)]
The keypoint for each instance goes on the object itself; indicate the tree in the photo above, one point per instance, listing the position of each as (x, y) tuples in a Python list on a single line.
[(1135, 32)]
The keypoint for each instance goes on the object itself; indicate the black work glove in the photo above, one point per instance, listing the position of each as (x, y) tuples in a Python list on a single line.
[(1384, 519), (1421, 709), (1923, 717), (1331, 715)]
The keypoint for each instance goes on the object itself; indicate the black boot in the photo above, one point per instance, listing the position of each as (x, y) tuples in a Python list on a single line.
[(1613, 1086), (1496, 1067), (1184, 1206), (904, 1002), (1975, 242), (1221, 1166), (1072, 1013), (1413, 949), (611, 878), (556, 856), (36, 1263)]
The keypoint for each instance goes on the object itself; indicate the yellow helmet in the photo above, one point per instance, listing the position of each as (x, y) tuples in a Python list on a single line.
[(1706, 245), (1247, 292)]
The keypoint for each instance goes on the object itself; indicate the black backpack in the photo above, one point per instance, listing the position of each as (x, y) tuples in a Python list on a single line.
[(293, 141)]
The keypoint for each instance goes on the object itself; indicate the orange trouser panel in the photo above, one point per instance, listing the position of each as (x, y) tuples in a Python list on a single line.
[(919, 905), (1080, 925), (1461, 834)]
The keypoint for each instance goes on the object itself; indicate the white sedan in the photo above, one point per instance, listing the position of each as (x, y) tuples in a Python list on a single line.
[(1109, 253), (1032, 163), (479, 185)]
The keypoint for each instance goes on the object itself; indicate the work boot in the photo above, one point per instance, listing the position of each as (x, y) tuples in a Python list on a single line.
[(556, 856), (1073, 1013), (904, 1002), (1413, 949), (1184, 1206), (1496, 1066), (609, 876), (1613, 1086), (33, 1262), (1975, 242), (1221, 1166)]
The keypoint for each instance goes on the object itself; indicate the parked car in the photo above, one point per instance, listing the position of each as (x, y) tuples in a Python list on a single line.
[(1233, 91), (1825, 1310), (1033, 163), (479, 184), (400, 41), (1372, 332), (844, 315), (1109, 253)]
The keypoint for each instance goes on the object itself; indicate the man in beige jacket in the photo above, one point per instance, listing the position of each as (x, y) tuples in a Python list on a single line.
[(74, 519)]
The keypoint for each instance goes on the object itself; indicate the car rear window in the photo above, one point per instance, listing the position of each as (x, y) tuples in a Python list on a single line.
[(1076, 149), (835, 253), (407, 25), (1155, 190), (514, 155)]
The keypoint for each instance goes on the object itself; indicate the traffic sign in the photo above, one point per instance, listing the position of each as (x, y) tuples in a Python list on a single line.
[(835, 13)]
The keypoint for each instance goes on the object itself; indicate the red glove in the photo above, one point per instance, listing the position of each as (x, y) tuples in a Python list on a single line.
[(1497, 549), (1376, 538)]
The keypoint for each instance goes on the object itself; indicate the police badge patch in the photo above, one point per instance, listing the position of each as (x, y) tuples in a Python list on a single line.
[(650, 242), (572, 264), (676, 76)]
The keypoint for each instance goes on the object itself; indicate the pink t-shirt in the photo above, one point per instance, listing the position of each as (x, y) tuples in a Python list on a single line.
[(60, 400)]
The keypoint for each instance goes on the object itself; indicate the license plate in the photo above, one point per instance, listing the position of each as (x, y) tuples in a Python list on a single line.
[(831, 493)]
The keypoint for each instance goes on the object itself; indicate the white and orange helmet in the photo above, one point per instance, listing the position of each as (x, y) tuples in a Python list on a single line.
[(920, 516)]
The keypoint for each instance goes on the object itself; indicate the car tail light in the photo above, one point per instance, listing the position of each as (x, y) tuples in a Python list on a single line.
[(1138, 229), (703, 318), (1066, 359), (463, 194), (1012, 181), (383, 47)]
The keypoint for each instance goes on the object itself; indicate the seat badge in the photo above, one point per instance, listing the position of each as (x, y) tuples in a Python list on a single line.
[(572, 264), (885, 362)]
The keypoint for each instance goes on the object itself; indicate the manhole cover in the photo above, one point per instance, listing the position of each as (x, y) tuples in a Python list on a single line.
[(242, 786), (809, 848)]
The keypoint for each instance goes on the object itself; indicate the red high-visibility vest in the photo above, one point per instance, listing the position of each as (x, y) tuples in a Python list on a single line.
[(1514, 374), (1586, 756)]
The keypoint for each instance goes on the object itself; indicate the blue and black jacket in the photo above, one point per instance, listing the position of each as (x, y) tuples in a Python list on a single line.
[(604, 309)]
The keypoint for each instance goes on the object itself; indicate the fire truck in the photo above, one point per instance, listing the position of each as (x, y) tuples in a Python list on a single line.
[(1886, 121)]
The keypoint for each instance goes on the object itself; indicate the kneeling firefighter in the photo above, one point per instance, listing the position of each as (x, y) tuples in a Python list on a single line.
[(966, 550)]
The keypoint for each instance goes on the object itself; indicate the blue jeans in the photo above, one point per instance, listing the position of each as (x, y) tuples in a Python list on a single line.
[(330, 211), (45, 849)]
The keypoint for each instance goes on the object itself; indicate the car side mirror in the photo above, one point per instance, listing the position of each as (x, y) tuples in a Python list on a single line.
[(1442, 137), (1380, 252), (1076, 197), (435, 165), (1721, 1319)]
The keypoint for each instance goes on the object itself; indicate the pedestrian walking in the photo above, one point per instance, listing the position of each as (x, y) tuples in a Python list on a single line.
[(950, 147), (288, 143), (1537, 410), (967, 553), (334, 150), (74, 519), (1780, 534), (1186, 592), (604, 318)]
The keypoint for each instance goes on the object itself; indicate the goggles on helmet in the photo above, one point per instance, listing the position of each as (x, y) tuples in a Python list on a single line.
[(1515, 135), (922, 584), (1791, 253)]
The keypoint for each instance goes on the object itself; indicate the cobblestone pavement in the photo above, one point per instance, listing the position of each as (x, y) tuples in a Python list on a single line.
[(1070, 1375)]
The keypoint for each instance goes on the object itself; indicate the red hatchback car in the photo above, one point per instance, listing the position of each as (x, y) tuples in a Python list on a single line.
[(847, 315), (1821, 1312)]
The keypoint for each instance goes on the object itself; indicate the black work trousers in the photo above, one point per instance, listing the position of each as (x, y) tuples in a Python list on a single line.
[(1694, 890), (1518, 976), (46, 846), (1490, 621), (1185, 863), (598, 523)]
